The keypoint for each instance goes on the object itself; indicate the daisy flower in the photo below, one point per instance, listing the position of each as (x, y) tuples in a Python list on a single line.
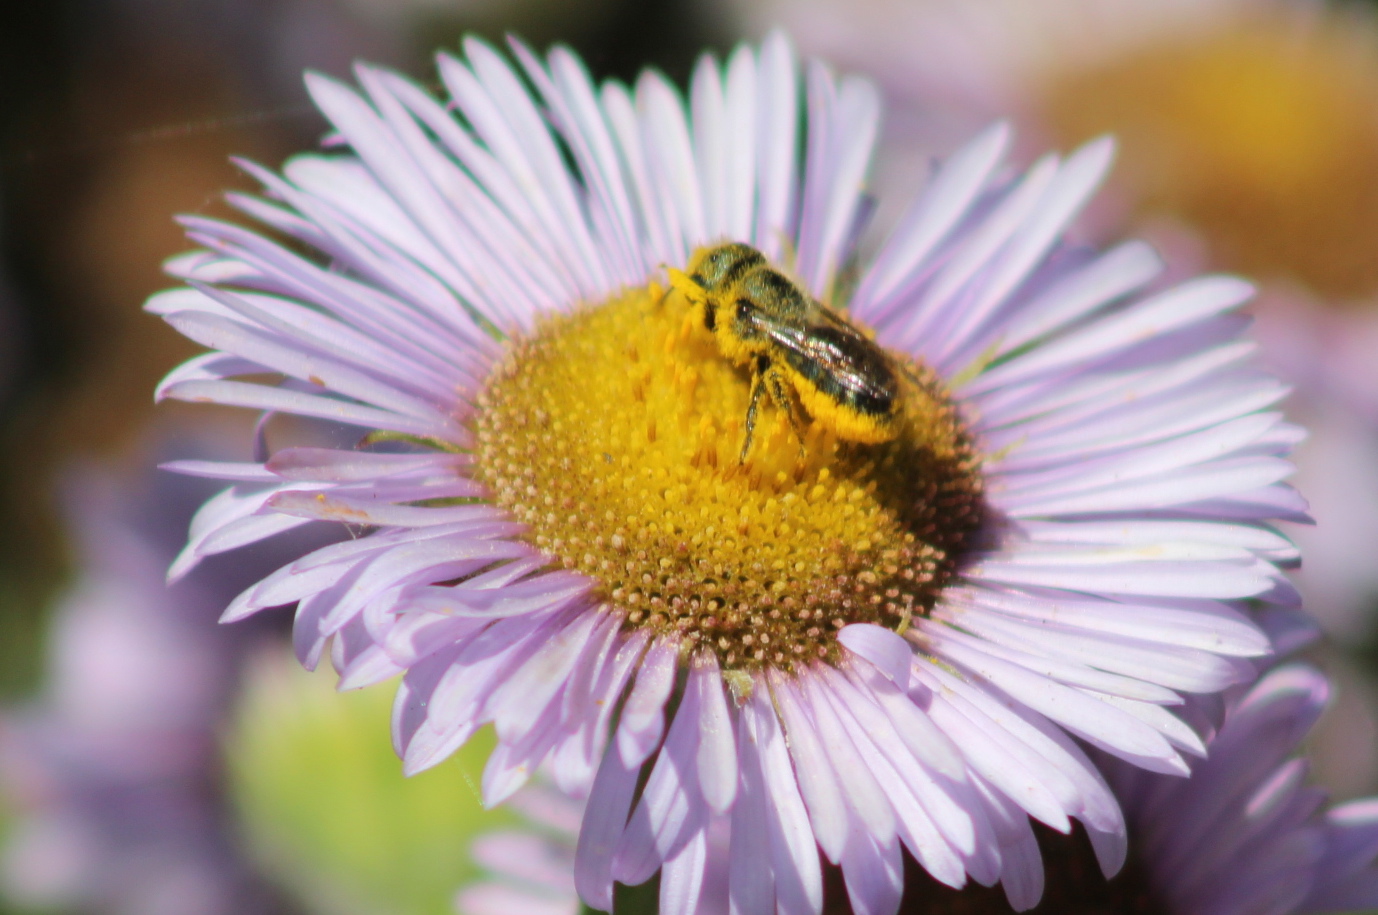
[(815, 647)]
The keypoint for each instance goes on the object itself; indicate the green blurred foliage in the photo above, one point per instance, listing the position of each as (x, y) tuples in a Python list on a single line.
[(327, 811), (8, 906), (23, 602)]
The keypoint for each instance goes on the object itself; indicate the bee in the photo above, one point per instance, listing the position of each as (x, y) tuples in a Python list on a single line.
[(799, 352)]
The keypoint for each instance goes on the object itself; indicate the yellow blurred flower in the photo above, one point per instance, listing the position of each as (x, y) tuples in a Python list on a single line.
[(1261, 133), (1253, 123)]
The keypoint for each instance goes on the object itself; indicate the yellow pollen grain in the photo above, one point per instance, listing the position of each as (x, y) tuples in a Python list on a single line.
[(614, 432)]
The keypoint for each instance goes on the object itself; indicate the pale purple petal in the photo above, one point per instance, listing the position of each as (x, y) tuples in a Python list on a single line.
[(927, 318), (1064, 197), (875, 875), (1095, 721), (1116, 273), (717, 754), (866, 800), (610, 802), (521, 701), (497, 899), (670, 813), (843, 123), (240, 472), (777, 136), (817, 780), (681, 878), (946, 200), (643, 717), (1179, 307), (794, 853), (751, 875), (890, 654)]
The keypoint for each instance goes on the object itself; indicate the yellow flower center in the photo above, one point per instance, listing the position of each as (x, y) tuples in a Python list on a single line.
[(614, 433), (1264, 135)]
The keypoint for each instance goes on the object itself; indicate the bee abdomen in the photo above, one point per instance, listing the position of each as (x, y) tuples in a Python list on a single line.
[(848, 368), (873, 404)]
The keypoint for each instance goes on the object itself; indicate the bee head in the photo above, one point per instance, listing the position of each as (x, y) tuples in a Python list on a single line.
[(711, 275), (718, 267), (697, 296)]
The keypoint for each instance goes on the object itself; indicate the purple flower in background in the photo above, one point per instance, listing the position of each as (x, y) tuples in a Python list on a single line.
[(827, 645), (1327, 354), (531, 869), (1244, 835), (113, 772)]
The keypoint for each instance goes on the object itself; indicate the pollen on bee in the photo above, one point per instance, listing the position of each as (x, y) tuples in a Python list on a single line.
[(630, 420)]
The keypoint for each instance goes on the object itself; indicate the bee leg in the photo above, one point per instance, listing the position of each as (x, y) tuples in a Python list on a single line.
[(758, 387), (775, 379)]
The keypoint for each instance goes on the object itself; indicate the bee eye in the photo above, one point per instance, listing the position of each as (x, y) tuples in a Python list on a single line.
[(744, 309)]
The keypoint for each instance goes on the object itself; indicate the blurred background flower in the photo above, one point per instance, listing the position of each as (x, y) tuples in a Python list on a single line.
[(1249, 141), (113, 770)]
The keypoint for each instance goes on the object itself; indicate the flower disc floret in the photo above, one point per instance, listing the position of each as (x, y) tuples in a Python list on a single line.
[(612, 433)]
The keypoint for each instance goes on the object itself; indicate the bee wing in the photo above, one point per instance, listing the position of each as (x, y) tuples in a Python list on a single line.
[(835, 350)]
